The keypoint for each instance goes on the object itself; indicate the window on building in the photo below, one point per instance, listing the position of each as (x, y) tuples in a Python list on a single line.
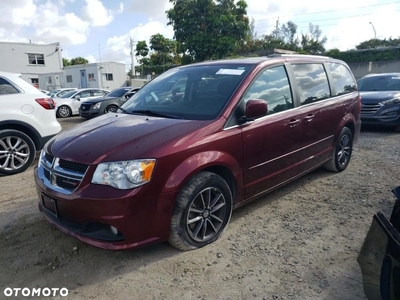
[(35, 80), (108, 77), (91, 77), (6, 88), (69, 78), (312, 82), (36, 59), (49, 81)]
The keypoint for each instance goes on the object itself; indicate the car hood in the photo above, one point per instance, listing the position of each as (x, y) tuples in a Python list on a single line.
[(102, 99), (114, 137), (376, 97)]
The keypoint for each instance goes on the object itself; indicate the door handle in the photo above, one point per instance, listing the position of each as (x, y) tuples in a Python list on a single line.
[(293, 123), (309, 117)]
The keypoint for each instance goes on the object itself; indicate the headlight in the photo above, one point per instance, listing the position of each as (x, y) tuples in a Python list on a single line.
[(124, 174), (391, 101), (97, 105)]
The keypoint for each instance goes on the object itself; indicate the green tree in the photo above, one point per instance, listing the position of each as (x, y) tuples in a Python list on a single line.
[(66, 62), (142, 50), (208, 29), (377, 43), (313, 42), (78, 61), (288, 33)]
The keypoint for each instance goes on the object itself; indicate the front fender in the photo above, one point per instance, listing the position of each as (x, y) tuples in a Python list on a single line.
[(202, 161)]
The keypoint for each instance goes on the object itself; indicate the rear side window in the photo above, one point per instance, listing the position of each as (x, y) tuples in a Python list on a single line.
[(6, 88), (343, 82), (312, 82), (272, 86), (98, 93)]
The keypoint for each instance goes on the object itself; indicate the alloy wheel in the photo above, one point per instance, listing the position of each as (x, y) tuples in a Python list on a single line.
[(14, 153), (206, 214)]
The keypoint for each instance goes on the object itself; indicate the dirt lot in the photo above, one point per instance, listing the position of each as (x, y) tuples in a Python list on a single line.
[(300, 242)]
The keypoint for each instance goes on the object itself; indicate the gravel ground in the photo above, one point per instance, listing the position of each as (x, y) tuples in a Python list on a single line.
[(299, 242)]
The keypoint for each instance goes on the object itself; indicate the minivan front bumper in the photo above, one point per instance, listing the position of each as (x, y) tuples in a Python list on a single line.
[(140, 218)]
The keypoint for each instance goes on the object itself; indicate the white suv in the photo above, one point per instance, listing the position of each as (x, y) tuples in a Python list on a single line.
[(27, 122)]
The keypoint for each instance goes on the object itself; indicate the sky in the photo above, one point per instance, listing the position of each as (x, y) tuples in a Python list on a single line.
[(100, 30)]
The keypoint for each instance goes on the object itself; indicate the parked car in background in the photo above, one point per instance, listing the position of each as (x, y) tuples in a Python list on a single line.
[(379, 257), (68, 104), (44, 91), (60, 92), (380, 94), (27, 122), (195, 143), (111, 103)]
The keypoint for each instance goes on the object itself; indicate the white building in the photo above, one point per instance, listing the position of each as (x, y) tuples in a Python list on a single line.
[(31, 60), (108, 75)]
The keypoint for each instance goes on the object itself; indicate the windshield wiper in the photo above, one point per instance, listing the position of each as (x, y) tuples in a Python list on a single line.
[(153, 113)]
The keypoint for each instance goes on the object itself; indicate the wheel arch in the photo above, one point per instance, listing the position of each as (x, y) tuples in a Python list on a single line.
[(25, 128), (220, 163)]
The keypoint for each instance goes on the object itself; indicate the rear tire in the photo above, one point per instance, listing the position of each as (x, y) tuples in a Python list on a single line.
[(17, 152), (202, 211), (342, 154)]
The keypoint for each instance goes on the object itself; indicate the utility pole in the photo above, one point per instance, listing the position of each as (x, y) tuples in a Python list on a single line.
[(277, 28), (133, 73), (99, 53)]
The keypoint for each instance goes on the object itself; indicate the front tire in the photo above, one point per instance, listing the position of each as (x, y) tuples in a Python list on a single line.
[(17, 152), (202, 211), (64, 111), (343, 150), (111, 109)]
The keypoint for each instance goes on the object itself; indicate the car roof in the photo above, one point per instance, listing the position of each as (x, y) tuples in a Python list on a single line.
[(10, 75), (381, 75)]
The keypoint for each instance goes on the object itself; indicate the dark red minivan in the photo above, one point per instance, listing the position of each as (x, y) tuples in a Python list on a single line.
[(195, 143)]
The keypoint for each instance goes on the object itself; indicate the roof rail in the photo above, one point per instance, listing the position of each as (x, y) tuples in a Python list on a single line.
[(297, 55)]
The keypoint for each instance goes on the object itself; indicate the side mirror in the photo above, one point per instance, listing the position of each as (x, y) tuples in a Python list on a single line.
[(77, 98), (254, 109)]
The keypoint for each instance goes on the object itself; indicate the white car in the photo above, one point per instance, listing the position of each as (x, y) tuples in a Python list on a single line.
[(69, 103), (27, 122), (60, 92)]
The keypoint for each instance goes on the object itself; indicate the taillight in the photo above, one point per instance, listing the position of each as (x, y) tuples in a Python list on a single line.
[(46, 103)]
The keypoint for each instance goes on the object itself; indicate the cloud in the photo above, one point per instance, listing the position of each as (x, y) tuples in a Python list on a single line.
[(118, 48), (154, 9), (95, 13)]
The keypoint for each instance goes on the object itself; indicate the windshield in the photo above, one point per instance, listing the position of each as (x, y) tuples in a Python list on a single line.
[(194, 93), (52, 93), (61, 93), (379, 83), (68, 95), (118, 93)]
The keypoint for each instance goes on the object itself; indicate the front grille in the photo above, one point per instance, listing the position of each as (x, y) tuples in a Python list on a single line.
[(67, 183), (86, 106), (61, 175), (47, 174), (370, 109), (72, 166), (49, 158)]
